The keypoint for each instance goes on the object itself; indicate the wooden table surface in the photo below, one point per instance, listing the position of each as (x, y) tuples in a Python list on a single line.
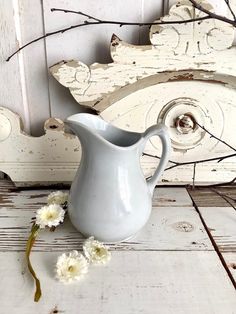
[(183, 261)]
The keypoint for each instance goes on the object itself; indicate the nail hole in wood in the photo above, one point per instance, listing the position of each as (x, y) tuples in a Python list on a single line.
[(53, 127)]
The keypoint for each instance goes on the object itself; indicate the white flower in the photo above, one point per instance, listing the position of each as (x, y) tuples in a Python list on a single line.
[(71, 266), (57, 197), (50, 216), (96, 252)]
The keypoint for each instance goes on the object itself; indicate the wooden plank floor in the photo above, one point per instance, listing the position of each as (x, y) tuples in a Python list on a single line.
[(183, 261)]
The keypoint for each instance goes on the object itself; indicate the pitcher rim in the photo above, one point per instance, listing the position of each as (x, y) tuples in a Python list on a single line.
[(107, 142)]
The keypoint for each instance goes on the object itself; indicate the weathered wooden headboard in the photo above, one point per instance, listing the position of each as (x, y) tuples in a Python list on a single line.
[(186, 77)]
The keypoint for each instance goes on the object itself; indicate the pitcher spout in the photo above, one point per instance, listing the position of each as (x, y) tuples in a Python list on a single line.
[(86, 125)]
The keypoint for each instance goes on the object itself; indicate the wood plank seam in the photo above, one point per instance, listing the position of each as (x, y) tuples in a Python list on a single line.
[(224, 264)]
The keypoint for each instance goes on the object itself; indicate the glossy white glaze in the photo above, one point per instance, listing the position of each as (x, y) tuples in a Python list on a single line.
[(109, 197)]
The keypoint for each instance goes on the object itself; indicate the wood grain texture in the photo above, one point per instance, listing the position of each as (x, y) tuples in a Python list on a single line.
[(170, 262), (144, 84), (147, 84), (230, 259), (171, 49), (133, 282), (170, 227), (26, 89), (206, 197), (171, 197), (221, 222), (90, 44), (37, 160)]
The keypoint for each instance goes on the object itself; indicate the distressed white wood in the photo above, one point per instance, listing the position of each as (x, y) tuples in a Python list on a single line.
[(67, 46), (191, 39), (158, 272), (171, 197), (50, 158), (180, 223), (230, 259), (146, 84), (136, 91), (54, 157), (132, 63), (90, 44), (133, 282), (28, 73), (221, 222)]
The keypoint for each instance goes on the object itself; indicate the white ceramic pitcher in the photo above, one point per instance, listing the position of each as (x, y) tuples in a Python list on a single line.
[(109, 198)]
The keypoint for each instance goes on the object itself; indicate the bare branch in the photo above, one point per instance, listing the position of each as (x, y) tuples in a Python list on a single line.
[(97, 21), (125, 23), (194, 162), (47, 35), (215, 137), (76, 12), (194, 175), (177, 164), (211, 14), (230, 9)]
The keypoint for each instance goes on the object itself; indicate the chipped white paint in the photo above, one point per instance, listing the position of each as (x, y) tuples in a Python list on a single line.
[(170, 262), (133, 282), (221, 222), (50, 158), (146, 84), (167, 53), (191, 39), (230, 259), (188, 69)]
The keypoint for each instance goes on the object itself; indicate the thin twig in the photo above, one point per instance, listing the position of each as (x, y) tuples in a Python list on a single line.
[(76, 12), (211, 14), (219, 159), (99, 22), (194, 175), (215, 137), (155, 156), (47, 35), (125, 23), (177, 164), (96, 21), (230, 9), (224, 197)]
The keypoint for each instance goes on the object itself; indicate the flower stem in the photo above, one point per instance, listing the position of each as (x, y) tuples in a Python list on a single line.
[(29, 245)]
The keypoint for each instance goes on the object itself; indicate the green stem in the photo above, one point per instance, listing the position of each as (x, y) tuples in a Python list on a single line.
[(29, 245)]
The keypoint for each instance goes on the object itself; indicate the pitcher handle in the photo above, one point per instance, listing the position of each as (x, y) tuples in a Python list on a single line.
[(162, 131)]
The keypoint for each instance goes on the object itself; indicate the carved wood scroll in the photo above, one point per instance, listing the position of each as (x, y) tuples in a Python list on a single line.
[(186, 75), (48, 159)]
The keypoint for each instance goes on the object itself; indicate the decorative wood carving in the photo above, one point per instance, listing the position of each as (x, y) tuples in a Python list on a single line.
[(186, 75), (199, 45), (48, 159)]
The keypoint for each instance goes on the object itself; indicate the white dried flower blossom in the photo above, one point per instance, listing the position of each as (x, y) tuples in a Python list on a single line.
[(57, 197), (71, 266), (50, 216), (96, 252)]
